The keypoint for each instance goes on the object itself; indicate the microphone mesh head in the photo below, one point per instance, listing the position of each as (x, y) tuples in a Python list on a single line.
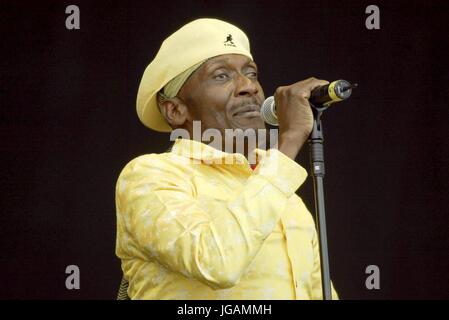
[(268, 111)]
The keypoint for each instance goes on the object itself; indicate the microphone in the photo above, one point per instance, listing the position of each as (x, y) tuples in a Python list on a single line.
[(321, 96)]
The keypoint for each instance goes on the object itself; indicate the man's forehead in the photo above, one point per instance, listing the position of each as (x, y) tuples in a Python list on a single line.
[(229, 58)]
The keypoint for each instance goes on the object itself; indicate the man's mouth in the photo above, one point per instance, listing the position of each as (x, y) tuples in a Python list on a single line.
[(251, 110)]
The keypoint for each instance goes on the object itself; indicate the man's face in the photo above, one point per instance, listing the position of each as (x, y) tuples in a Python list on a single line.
[(224, 93)]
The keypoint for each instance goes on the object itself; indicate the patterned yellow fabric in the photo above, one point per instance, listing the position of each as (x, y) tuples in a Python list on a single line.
[(192, 226)]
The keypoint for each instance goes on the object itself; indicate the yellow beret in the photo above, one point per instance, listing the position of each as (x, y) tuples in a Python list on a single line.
[(196, 41)]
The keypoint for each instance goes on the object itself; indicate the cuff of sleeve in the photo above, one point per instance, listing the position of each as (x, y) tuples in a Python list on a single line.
[(280, 170)]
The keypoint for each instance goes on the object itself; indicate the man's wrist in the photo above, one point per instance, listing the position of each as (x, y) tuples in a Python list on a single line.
[(290, 143)]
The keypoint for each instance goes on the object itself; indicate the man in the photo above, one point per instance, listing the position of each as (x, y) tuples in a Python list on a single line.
[(201, 223)]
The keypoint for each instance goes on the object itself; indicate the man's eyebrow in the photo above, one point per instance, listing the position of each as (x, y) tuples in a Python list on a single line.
[(248, 62), (251, 62)]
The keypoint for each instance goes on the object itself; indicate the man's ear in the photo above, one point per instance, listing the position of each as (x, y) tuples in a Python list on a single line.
[(174, 111)]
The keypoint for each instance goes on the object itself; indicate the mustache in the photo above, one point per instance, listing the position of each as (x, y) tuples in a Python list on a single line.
[(245, 103)]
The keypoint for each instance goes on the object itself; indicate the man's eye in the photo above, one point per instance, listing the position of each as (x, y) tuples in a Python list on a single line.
[(252, 74), (221, 76)]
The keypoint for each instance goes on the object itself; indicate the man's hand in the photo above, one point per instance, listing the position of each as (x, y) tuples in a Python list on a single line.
[(295, 114)]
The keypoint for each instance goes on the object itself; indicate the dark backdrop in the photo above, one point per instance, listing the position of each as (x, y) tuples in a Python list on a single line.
[(68, 126)]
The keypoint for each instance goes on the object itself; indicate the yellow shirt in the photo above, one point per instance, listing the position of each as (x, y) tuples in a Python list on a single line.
[(198, 223)]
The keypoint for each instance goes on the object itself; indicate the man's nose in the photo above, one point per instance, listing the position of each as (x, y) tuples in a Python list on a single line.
[(246, 86)]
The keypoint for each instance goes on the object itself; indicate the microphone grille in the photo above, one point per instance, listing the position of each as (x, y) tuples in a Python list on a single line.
[(268, 111)]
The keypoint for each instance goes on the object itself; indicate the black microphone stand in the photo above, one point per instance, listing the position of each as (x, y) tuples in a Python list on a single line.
[(317, 167)]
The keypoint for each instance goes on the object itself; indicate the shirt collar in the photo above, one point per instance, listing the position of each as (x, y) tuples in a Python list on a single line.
[(200, 151)]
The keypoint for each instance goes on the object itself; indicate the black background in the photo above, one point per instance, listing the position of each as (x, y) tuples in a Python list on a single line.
[(68, 126)]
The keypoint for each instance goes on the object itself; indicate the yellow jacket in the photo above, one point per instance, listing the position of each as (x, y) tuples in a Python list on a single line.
[(198, 223)]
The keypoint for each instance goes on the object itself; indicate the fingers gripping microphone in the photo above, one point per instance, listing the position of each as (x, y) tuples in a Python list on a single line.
[(322, 96)]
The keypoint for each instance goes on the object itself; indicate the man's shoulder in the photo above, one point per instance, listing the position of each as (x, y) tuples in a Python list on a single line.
[(166, 161), (154, 169)]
